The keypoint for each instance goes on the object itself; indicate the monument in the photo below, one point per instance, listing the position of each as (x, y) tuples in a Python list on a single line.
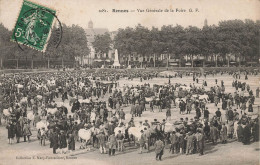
[(116, 61)]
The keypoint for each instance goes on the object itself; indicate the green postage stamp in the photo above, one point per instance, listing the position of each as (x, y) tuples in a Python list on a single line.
[(33, 26)]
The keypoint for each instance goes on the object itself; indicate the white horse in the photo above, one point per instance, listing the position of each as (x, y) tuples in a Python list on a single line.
[(122, 129), (52, 110)]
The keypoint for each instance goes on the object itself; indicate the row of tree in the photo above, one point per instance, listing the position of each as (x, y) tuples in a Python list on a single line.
[(236, 37), (73, 44)]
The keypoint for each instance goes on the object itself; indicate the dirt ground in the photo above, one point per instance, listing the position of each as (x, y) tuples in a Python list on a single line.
[(231, 153)]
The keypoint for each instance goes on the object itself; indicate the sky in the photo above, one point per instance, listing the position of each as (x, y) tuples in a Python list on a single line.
[(80, 12)]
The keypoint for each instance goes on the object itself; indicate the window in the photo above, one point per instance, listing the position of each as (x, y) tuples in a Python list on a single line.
[(106, 55)]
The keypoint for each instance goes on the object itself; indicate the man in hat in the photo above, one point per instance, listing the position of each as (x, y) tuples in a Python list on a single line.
[(223, 133), (37, 118), (131, 123), (246, 134), (133, 110), (159, 147), (26, 132), (142, 141), (110, 128), (146, 124), (218, 113), (18, 131), (257, 92), (139, 110), (198, 112), (239, 132), (154, 122), (102, 140), (173, 139), (200, 141), (189, 145), (71, 142), (182, 106), (147, 136), (120, 140), (11, 131), (168, 114), (112, 144), (236, 115), (62, 141), (206, 113), (55, 141), (189, 105), (121, 116), (140, 124), (213, 133), (163, 125), (151, 106), (230, 114), (43, 136)]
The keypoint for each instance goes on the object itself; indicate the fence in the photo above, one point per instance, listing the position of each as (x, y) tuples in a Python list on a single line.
[(37, 63)]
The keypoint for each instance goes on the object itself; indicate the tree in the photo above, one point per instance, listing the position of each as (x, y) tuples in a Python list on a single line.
[(209, 42), (5, 45), (229, 36), (142, 42), (173, 38), (156, 44), (102, 43), (73, 44), (192, 42), (124, 42)]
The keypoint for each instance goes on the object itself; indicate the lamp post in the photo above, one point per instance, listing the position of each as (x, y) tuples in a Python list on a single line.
[(77, 88), (216, 58), (228, 59), (167, 53)]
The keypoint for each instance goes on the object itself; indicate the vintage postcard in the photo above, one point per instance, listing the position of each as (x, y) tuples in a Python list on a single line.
[(129, 82)]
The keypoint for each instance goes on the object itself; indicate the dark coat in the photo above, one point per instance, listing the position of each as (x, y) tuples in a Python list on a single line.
[(201, 141), (190, 139), (246, 134), (18, 130), (71, 143), (230, 115), (213, 133), (223, 133), (62, 141), (159, 146), (112, 142), (27, 131), (55, 140), (133, 109), (122, 115), (111, 129), (142, 140), (11, 131), (101, 139), (173, 138), (239, 133), (168, 112), (139, 109)]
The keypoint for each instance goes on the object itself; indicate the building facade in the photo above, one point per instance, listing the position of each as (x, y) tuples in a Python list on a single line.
[(94, 57)]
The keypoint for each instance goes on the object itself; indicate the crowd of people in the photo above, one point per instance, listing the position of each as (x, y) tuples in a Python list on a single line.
[(98, 104)]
